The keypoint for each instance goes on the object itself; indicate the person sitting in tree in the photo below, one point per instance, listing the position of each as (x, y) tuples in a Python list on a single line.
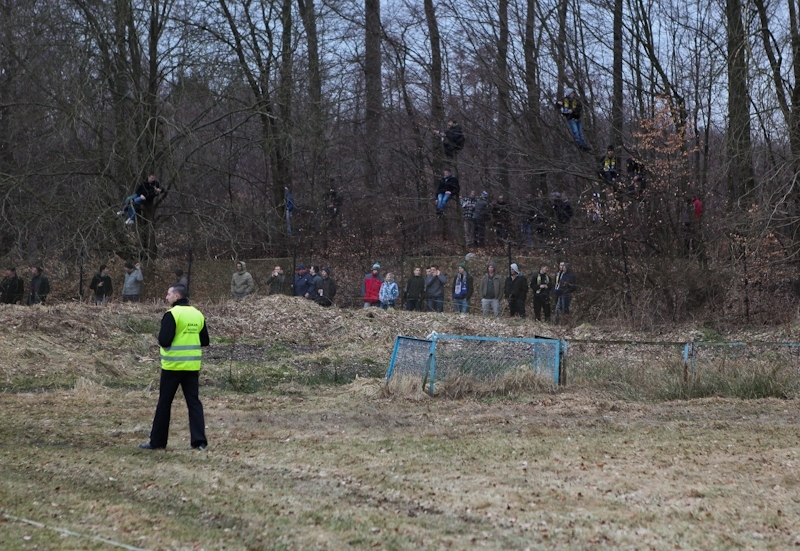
[(145, 193), (571, 110), (448, 188), (609, 170)]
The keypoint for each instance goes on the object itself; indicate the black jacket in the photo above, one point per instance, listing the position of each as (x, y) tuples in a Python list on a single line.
[(328, 287), (415, 288), (12, 290), (448, 183), (565, 284), (148, 189), (540, 279), (103, 290), (517, 288), (40, 288), (453, 139)]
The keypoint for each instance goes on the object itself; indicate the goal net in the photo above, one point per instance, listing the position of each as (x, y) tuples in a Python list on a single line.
[(494, 362)]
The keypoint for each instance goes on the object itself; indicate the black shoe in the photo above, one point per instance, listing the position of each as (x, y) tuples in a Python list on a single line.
[(149, 446)]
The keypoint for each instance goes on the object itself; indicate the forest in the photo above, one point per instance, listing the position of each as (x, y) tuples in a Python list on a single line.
[(235, 104)]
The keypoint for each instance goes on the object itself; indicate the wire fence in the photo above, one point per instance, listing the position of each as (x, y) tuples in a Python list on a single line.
[(637, 370)]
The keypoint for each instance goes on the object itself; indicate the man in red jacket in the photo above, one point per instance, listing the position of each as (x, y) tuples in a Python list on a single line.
[(371, 286)]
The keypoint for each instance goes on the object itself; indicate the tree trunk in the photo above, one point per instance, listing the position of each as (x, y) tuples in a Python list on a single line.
[(617, 119), (373, 91)]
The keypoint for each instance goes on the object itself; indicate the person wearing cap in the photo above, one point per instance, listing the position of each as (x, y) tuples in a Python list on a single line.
[(101, 285), (371, 287), (462, 289), (302, 281), (242, 282), (571, 108), (132, 286), (326, 289), (491, 290), (479, 219), (516, 291)]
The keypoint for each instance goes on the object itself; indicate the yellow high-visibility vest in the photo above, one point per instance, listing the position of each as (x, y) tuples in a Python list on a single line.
[(184, 354)]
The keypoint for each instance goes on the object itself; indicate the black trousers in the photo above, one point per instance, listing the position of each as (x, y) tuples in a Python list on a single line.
[(189, 381), (539, 304), (516, 307)]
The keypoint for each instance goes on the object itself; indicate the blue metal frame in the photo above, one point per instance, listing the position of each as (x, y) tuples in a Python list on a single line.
[(394, 353)]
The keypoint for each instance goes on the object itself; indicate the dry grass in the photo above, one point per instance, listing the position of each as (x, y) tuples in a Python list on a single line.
[(360, 465)]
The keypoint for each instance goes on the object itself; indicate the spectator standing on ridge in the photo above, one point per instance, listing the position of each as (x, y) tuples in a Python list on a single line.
[(181, 279), (132, 286), (516, 291), (315, 281), (12, 289), (565, 286), (276, 281), (501, 217), (242, 283), (479, 218), (40, 286), (468, 210), (540, 285), (388, 292), (183, 332), (371, 287), (462, 289), (571, 109), (434, 290), (101, 285), (145, 193), (326, 289), (452, 139), (491, 290), (448, 188), (302, 281), (415, 291), (333, 203)]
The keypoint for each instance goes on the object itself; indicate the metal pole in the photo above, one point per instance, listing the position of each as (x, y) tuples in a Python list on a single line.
[(189, 272)]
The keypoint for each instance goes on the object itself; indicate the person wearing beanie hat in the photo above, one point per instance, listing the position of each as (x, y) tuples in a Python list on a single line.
[(491, 290), (326, 289), (371, 287), (479, 219), (302, 281), (516, 291), (463, 287), (570, 108), (101, 285)]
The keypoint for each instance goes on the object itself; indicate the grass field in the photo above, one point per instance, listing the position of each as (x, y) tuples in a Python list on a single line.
[(305, 462)]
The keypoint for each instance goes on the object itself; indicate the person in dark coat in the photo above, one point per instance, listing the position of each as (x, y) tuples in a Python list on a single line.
[(540, 285), (452, 139), (479, 218), (415, 291), (12, 288), (325, 289), (516, 292), (101, 285), (40, 286), (463, 287), (276, 281), (302, 281), (145, 193), (448, 188), (565, 286), (570, 107)]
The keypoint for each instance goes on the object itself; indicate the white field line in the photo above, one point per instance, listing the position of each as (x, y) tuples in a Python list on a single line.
[(71, 533)]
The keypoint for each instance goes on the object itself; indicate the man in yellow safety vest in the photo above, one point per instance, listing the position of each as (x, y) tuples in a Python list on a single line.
[(183, 332)]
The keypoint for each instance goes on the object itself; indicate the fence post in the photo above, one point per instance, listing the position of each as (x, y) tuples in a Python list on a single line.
[(561, 360)]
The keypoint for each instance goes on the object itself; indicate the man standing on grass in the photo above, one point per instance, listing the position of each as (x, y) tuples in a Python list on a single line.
[(132, 287), (183, 332)]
